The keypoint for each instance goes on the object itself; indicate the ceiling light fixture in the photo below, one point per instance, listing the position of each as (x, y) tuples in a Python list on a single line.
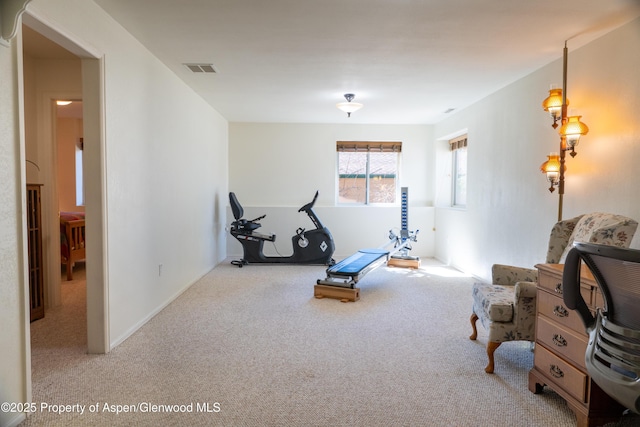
[(61, 102), (349, 107)]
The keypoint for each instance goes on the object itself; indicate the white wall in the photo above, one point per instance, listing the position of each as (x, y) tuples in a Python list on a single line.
[(166, 181), (13, 345), (510, 212), (276, 168)]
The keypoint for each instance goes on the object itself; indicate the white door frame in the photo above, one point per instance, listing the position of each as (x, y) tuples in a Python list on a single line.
[(94, 175)]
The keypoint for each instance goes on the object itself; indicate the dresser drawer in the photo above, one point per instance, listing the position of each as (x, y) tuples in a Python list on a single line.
[(553, 307), (554, 285), (566, 343), (550, 283), (564, 375)]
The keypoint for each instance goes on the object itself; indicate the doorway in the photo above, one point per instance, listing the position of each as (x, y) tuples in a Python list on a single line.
[(60, 53)]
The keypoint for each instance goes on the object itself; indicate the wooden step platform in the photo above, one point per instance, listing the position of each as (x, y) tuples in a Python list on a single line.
[(336, 292), (404, 262)]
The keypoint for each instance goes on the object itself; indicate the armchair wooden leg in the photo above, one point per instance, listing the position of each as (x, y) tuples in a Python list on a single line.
[(473, 319), (491, 348)]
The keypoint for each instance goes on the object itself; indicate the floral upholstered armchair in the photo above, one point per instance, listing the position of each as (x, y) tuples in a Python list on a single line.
[(507, 307)]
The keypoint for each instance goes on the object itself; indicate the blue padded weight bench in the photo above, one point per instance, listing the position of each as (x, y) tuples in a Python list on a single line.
[(343, 276), (348, 272)]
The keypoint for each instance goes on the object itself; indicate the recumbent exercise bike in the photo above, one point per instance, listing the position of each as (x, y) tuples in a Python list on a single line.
[(309, 246)]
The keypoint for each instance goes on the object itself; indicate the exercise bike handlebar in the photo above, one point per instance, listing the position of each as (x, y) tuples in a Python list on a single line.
[(309, 205), (308, 209)]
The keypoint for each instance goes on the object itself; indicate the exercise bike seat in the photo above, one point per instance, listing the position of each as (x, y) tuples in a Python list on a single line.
[(241, 225), (236, 208)]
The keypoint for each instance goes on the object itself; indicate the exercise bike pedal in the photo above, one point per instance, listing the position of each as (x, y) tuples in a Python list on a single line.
[(239, 262)]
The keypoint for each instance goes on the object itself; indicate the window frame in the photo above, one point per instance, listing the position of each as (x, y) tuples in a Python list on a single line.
[(457, 146), (79, 164), (369, 147)]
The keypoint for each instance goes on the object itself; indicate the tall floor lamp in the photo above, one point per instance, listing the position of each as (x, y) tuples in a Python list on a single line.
[(570, 131)]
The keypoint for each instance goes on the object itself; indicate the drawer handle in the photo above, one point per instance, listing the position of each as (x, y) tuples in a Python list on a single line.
[(559, 288), (555, 371), (560, 311), (559, 340)]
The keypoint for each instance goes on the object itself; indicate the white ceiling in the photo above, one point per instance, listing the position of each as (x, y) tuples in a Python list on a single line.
[(407, 61)]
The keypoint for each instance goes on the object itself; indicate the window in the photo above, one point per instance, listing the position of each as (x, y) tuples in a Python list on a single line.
[(368, 172), (79, 173), (459, 175)]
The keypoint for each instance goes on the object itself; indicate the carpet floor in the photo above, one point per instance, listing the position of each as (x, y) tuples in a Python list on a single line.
[(252, 347)]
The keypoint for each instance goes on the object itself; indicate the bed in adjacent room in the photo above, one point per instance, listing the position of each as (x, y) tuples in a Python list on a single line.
[(72, 240)]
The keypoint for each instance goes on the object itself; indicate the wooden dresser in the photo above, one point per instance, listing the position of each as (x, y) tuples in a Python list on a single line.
[(561, 342)]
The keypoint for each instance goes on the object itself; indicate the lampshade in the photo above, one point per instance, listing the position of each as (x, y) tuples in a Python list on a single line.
[(349, 107), (552, 168), (552, 164), (572, 130), (553, 103)]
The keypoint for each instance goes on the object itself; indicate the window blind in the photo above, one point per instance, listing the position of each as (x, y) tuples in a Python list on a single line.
[(372, 146), (459, 142)]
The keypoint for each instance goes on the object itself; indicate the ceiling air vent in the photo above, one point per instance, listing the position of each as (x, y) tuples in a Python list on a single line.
[(201, 68)]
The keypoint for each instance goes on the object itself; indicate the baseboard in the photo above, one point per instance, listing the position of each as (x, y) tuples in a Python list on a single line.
[(122, 338), (16, 420)]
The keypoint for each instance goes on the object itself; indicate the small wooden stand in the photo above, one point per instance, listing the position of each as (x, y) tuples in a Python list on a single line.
[(336, 292), (404, 262)]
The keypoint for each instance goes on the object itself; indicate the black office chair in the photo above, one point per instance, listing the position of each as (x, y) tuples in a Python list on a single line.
[(613, 352)]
